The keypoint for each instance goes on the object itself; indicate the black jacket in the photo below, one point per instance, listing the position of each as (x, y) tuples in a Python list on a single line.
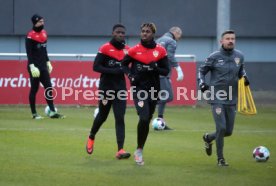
[(141, 59), (226, 68), (108, 63), (36, 48)]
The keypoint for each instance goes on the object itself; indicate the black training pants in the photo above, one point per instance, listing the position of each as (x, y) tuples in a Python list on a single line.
[(44, 78), (119, 109), (145, 110)]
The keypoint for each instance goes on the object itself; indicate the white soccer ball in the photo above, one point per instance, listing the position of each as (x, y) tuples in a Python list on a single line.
[(96, 111), (47, 110), (261, 154), (158, 124)]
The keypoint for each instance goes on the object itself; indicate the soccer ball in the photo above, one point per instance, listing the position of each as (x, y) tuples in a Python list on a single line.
[(96, 111), (158, 124), (261, 154), (47, 110)]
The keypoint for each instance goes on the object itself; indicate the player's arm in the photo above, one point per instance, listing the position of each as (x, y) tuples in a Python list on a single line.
[(203, 70), (125, 68), (29, 46), (171, 48), (48, 63), (242, 70), (33, 69), (125, 64), (163, 66), (47, 57), (242, 73), (100, 67), (179, 72)]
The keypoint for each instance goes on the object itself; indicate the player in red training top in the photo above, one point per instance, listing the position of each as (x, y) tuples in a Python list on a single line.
[(112, 81), (143, 65), (39, 66)]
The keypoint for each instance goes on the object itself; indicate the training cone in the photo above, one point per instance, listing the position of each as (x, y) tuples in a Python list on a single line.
[(246, 103)]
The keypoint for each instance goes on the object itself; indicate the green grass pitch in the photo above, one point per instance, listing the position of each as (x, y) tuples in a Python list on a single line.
[(52, 152)]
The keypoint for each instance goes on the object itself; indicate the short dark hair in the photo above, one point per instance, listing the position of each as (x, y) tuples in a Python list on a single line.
[(227, 32), (118, 26), (150, 25)]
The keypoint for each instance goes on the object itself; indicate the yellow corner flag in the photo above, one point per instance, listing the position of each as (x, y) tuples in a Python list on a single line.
[(246, 103)]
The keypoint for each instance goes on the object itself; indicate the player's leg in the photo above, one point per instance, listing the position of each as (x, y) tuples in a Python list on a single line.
[(104, 109), (46, 82), (208, 139), (32, 96), (165, 85), (142, 107), (119, 108), (152, 106), (143, 110), (167, 96), (230, 119), (218, 111), (162, 100)]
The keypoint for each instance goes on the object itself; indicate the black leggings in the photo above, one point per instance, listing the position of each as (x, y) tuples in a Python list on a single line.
[(44, 78), (119, 109), (145, 110)]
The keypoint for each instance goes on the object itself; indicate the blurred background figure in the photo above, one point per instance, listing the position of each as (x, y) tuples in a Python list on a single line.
[(169, 42)]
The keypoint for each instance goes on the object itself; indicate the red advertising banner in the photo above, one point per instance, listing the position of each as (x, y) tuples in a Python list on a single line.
[(75, 83)]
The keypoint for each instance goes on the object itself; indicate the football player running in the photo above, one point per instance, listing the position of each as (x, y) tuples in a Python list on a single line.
[(148, 60), (112, 80)]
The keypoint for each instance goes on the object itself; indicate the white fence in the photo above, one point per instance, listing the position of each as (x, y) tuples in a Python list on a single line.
[(81, 56)]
